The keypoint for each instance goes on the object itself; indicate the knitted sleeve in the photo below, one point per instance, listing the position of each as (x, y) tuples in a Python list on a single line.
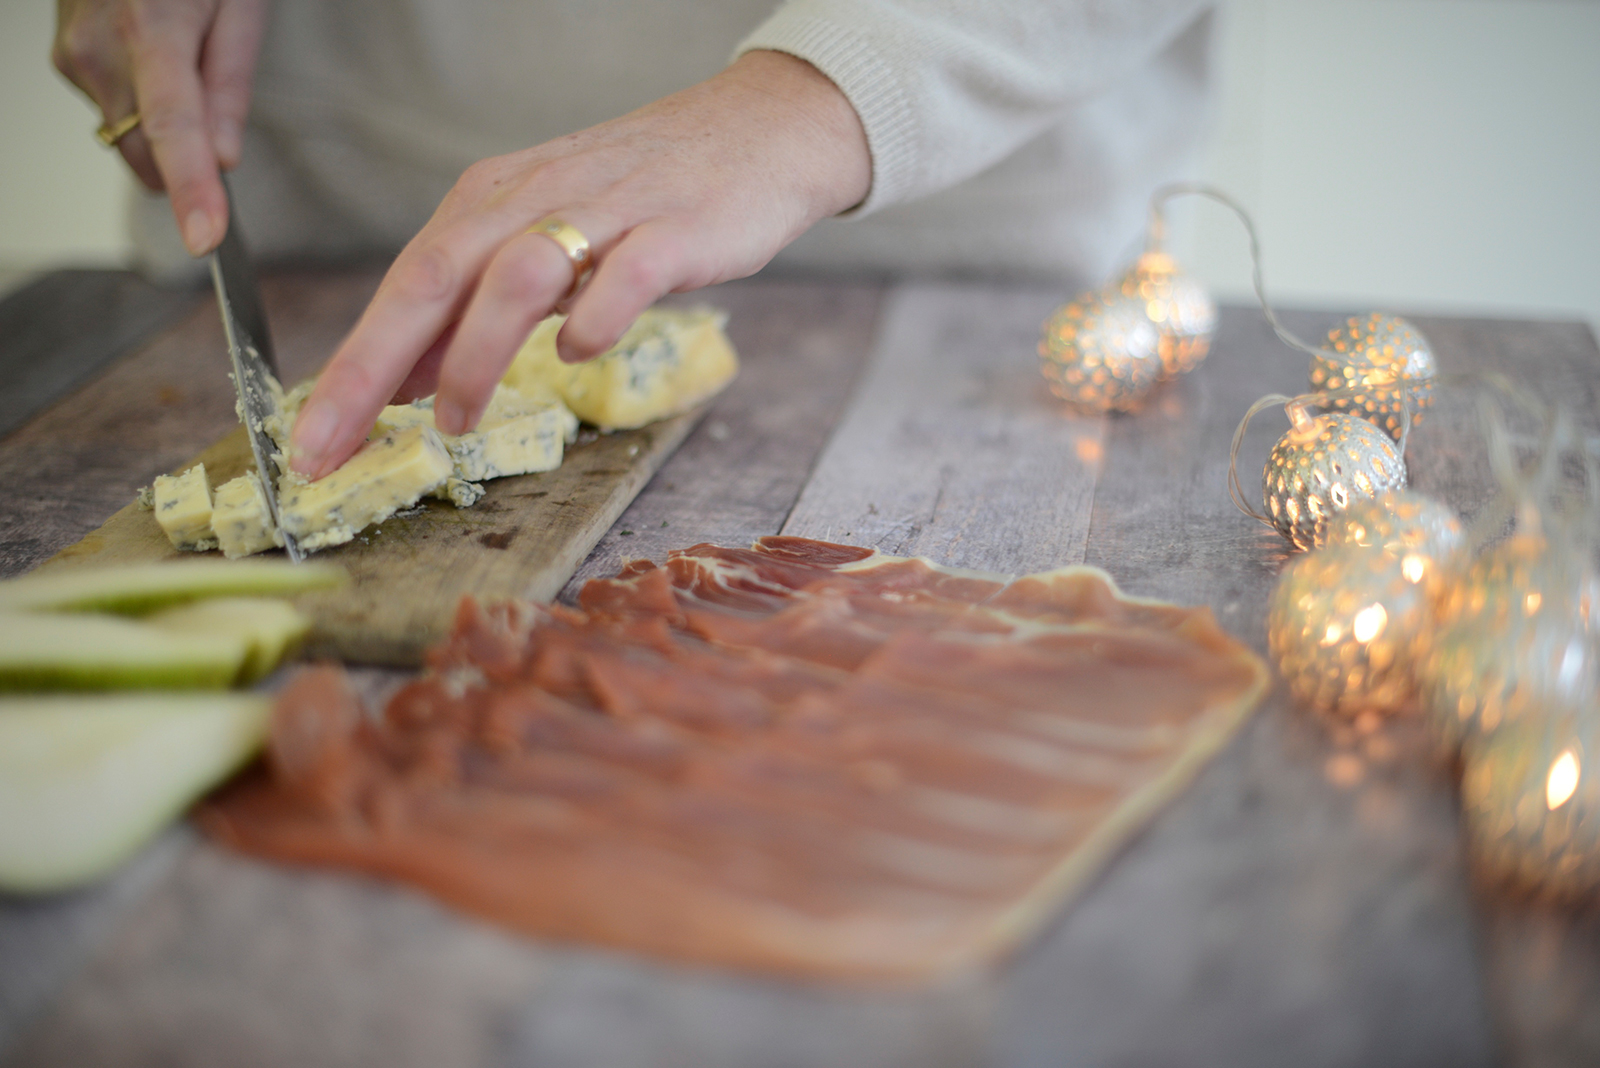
[(945, 88)]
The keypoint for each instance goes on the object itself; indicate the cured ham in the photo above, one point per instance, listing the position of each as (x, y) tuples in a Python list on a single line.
[(801, 757)]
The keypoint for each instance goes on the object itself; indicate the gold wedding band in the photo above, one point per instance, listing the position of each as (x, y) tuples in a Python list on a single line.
[(572, 242), (112, 132)]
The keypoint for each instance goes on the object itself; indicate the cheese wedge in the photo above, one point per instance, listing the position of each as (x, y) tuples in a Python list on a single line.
[(518, 434), (183, 509), (668, 362), (241, 522), (390, 472)]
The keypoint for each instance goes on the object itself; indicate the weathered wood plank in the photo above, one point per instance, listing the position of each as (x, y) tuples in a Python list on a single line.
[(1541, 962), (1305, 901), (737, 476), (83, 458), (182, 982), (953, 448), (408, 574), (58, 331)]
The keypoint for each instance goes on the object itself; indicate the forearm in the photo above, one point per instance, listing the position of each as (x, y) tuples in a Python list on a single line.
[(946, 88)]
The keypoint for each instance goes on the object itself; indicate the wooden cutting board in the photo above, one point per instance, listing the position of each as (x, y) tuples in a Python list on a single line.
[(525, 538)]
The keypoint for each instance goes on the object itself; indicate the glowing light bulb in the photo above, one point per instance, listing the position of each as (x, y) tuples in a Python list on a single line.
[(1369, 623), (1563, 780), (1413, 567)]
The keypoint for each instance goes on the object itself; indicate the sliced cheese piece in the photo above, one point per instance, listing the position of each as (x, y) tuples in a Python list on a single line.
[(86, 781), (669, 361), (183, 508), (140, 588), (240, 519), (390, 472), (518, 434), (83, 651), (271, 629)]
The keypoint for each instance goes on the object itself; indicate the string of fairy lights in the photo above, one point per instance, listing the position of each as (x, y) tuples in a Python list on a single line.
[(1394, 605)]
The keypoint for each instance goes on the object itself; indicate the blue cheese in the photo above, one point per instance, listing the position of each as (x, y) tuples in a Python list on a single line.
[(240, 518), (668, 362), (183, 509), (460, 492), (391, 471), (518, 434)]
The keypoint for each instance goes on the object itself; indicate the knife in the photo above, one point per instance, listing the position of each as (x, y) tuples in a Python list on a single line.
[(255, 370)]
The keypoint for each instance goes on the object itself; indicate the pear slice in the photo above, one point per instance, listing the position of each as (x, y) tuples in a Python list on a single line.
[(81, 651), (273, 629), (85, 781), (139, 588)]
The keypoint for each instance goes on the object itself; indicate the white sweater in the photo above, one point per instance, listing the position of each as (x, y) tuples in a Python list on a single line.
[(1016, 136)]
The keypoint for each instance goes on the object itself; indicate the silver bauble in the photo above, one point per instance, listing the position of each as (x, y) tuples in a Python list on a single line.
[(1101, 353), (1380, 357), (1403, 523), (1530, 794), (1183, 312), (1322, 466), (1516, 637), (1342, 625)]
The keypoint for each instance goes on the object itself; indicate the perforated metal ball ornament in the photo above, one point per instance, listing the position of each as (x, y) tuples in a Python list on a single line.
[(1322, 466), (1408, 525), (1516, 637), (1342, 626), (1101, 353), (1183, 312), (1530, 793), (1379, 359)]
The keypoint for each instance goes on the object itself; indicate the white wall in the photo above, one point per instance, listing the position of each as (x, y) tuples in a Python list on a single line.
[(60, 191), (1420, 154)]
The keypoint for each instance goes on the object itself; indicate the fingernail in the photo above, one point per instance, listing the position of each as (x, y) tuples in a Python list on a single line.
[(449, 417), (565, 354), (197, 230), (313, 430)]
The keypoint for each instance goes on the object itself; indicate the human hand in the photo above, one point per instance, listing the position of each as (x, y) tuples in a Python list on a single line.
[(185, 66), (700, 187)]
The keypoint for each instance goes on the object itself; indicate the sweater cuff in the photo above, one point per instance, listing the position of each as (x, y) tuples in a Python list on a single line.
[(868, 81)]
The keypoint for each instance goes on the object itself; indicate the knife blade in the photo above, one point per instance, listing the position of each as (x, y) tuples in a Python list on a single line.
[(255, 369)]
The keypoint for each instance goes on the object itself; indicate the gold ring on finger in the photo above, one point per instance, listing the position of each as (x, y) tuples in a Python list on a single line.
[(112, 132), (572, 242)]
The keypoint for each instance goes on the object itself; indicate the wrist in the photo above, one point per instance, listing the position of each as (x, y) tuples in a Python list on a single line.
[(834, 163)]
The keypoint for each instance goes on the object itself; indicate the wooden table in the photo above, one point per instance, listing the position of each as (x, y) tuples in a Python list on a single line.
[(1306, 902)]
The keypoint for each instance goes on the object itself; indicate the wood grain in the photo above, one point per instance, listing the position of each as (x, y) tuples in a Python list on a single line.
[(523, 539), (952, 447), (1279, 912), (59, 330)]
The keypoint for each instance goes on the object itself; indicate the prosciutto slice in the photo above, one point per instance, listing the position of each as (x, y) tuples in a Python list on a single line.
[(799, 757)]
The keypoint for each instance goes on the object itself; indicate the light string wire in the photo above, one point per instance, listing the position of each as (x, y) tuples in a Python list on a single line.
[(1320, 399), (1560, 436), (1158, 235)]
